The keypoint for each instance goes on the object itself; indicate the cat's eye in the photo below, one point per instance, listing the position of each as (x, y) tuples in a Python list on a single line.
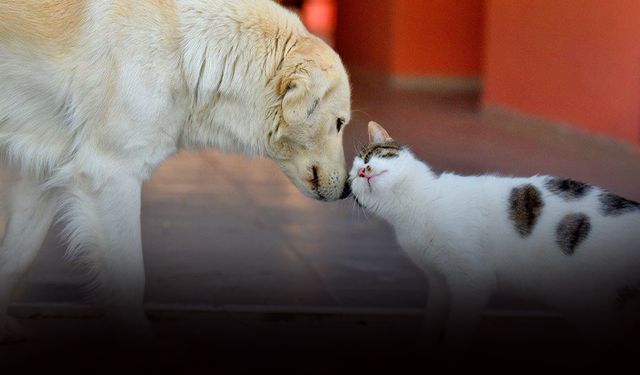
[(339, 123)]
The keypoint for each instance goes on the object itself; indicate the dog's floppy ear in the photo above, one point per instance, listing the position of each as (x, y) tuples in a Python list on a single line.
[(301, 89)]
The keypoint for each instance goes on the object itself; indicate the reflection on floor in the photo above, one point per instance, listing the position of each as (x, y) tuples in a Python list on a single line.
[(225, 231)]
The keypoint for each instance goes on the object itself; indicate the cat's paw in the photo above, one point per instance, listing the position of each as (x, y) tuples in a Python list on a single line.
[(10, 331)]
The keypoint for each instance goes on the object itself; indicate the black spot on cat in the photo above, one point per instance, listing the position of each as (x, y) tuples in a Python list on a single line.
[(566, 188), (525, 206), (613, 205), (571, 231)]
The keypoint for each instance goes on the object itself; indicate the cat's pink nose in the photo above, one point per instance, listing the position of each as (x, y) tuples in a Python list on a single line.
[(361, 172)]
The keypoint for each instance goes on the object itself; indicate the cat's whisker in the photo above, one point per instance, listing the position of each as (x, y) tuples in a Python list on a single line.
[(360, 111), (360, 208), (357, 146), (354, 208)]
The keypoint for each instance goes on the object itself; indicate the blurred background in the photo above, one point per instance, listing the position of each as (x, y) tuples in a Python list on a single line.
[(573, 62), (234, 252)]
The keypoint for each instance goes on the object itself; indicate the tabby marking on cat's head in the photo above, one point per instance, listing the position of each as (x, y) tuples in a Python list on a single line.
[(378, 165), (382, 147)]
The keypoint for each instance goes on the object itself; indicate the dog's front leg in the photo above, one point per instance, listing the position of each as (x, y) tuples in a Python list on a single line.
[(105, 223), (124, 276), (30, 215)]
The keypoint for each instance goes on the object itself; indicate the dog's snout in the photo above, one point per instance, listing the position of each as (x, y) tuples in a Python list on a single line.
[(315, 179)]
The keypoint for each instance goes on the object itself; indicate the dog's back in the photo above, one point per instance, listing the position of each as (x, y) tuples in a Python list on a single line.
[(63, 78), (37, 39), (52, 25)]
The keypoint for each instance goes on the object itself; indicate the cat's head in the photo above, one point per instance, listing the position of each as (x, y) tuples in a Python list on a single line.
[(380, 168)]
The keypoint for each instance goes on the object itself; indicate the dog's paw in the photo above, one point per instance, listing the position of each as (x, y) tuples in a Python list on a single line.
[(10, 331)]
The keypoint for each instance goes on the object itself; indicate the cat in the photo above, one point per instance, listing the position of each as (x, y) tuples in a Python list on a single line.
[(570, 245)]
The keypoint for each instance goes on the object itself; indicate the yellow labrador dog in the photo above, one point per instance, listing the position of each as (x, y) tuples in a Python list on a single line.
[(95, 94)]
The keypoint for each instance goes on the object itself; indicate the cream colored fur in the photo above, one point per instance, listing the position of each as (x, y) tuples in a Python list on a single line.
[(96, 94)]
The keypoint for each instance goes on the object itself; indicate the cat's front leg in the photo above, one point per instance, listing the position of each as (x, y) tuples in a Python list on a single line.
[(470, 294), (435, 316)]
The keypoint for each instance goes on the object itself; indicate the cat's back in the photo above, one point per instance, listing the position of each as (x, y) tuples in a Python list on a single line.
[(568, 212), (551, 233), (545, 216), (523, 201)]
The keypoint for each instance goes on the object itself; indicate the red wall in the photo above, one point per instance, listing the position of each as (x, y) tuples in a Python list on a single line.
[(574, 61), (437, 37), (569, 61), (409, 37), (363, 33), (320, 18)]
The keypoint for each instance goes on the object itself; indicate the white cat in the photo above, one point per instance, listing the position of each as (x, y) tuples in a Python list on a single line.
[(572, 246)]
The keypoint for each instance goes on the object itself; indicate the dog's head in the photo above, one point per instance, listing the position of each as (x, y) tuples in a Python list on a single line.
[(314, 105)]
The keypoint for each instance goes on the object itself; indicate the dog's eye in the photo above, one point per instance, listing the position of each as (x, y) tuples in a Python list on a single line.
[(339, 123)]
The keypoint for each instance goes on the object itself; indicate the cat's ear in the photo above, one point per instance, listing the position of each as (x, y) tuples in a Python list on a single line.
[(377, 134)]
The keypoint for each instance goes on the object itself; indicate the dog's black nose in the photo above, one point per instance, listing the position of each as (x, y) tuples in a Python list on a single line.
[(346, 191)]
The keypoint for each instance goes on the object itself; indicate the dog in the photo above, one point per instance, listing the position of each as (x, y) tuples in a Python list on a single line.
[(95, 94)]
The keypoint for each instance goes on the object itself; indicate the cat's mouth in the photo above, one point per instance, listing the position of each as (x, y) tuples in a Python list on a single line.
[(370, 177)]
